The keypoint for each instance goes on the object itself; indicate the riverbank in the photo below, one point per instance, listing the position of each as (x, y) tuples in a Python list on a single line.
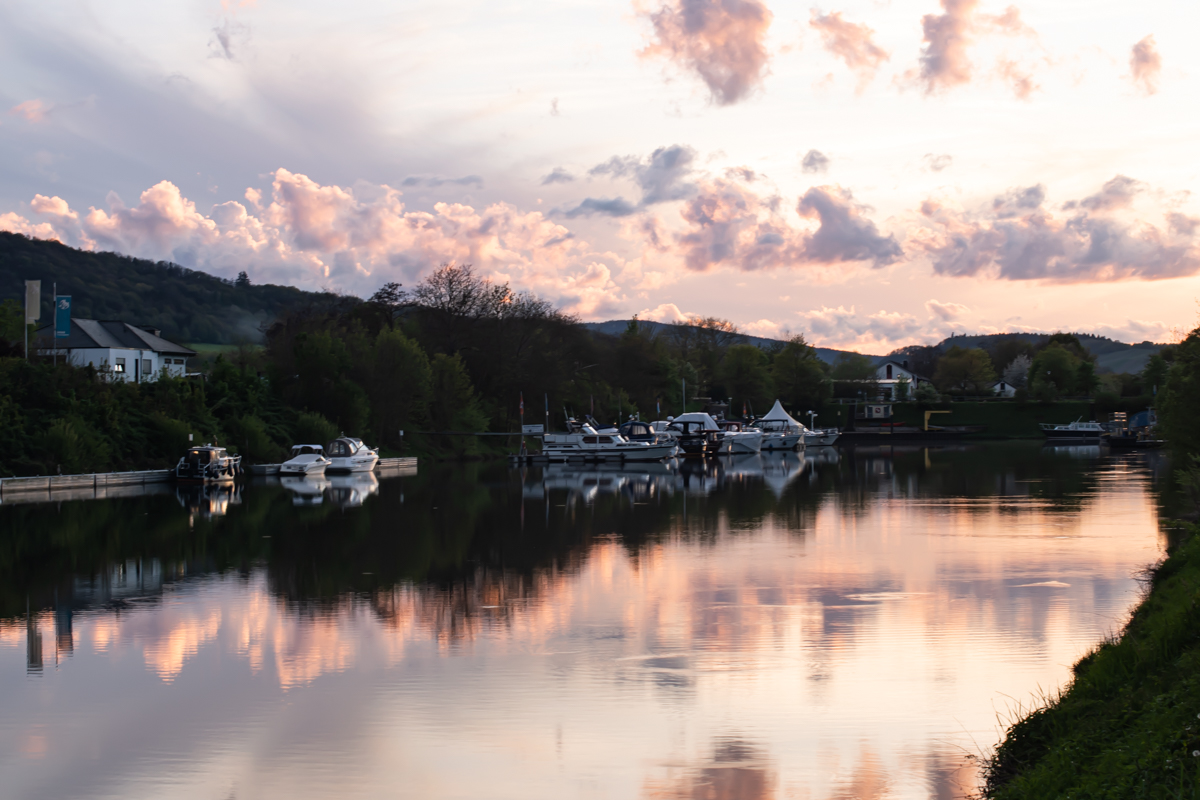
[(1128, 725)]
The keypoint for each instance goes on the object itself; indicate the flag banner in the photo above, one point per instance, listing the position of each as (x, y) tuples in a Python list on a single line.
[(33, 301), (62, 316)]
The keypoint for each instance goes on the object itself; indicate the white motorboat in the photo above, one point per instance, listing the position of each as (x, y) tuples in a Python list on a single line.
[(698, 434), (821, 437), (780, 431), (307, 459), (740, 438), (584, 442), (1077, 431), (347, 454)]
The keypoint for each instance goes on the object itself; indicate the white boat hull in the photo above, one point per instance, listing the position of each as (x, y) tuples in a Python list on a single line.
[(308, 468), (820, 439), (782, 441), (629, 451), (355, 463), (741, 444)]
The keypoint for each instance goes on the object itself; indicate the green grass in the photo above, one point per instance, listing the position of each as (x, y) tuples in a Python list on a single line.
[(1002, 419), (217, 349), (1128, 725)]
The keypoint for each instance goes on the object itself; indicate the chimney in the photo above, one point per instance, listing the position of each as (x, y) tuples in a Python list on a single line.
[(151, 329)]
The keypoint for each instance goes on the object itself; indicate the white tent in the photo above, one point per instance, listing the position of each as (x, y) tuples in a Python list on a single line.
[(777, 413)]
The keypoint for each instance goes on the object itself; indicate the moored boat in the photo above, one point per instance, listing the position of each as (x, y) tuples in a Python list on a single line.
[(740, 438), (780, 431), (307, 459), (1077, 431), (208, 464), (584, 442), (347, 454)]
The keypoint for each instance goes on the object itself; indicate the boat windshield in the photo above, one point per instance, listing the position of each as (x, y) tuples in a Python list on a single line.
[(308, 450)]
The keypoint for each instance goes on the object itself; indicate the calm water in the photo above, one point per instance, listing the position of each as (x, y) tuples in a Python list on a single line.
[(835, 625)]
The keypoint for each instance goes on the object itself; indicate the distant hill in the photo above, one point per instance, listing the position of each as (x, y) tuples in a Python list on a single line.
[(615, 327), (189, 306), (1111, 355)]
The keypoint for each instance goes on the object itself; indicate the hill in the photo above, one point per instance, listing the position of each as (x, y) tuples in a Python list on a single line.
[(615, 327), (189, 306), (1111, 355)]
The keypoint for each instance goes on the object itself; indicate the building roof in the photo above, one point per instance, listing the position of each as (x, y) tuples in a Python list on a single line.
[(88, 334), (901, 365)]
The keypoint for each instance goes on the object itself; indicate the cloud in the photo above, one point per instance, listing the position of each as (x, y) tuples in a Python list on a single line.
[(663, 177), (466, 180), (815, 161), (845, 234), (944, 62), (31, 110), (847, 327), (1019, 238), (937, 163), (721, 41), (666, 312), (557, 175), (730, 225), (1145, 65), (1136, 330), (317, 236), (851, 43), (946, 311)]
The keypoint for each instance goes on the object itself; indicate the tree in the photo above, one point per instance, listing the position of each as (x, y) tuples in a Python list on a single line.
[(1053, 371), (744, 374), (800, 375), (243, 280), (400, 385), (902, 387), (1085, 378), (1154, 374), (1016, 374), (964, 371), (1005, 350), (1178, 400), (922, 359), (853, 367)]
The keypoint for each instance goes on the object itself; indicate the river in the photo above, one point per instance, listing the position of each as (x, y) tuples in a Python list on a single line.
[(850, 623)]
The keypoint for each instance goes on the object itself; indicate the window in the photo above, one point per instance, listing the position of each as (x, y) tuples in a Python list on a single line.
[(606, 440), (178, 361), (889, 377), (589, 440), (145, 367), (119, 366)]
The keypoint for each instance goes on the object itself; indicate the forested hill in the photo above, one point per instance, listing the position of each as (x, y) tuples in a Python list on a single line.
[(616, 327), (190, 307), (1110, 354)]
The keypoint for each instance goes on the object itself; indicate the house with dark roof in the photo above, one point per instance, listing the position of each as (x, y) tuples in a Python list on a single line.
[(117, 349), (889, 374)]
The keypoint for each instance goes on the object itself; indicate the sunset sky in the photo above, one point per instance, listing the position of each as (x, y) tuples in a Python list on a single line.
[(870, 173)]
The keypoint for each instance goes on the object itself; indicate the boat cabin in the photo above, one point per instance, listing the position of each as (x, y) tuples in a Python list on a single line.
[(207, 463), (344, 447), (307, 450), (638, 431)]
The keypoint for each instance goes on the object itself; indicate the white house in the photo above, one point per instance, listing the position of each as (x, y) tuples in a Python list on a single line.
[(1004, 389), (890, 373), (117, 349)]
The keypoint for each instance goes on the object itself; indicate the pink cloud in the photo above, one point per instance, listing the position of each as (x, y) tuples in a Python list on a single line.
[(1094, 239), (883, 330), (851, 42), (946, 311), (31, 110), (731, 225), (945, 60), (1145, 65), (721, 41), (315, 236)]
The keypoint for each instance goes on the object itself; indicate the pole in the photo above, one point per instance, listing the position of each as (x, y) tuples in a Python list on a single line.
[(547, 428), (683, 394)]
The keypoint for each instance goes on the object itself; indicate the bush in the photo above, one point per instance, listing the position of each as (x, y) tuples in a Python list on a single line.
[(312, 428)]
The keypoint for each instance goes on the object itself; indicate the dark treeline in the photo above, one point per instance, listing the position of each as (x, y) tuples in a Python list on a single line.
[(454, 353)]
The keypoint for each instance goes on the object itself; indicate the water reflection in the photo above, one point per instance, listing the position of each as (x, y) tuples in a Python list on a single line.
[(837, 624)]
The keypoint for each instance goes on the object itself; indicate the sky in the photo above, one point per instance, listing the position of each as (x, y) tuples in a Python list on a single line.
[(869, 173)]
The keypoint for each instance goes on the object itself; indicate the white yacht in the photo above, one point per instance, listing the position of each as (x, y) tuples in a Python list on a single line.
[(347, 454), (584, 442), (780, 431), (741, 439), (821, 437), (307, 459), (1077, 431)]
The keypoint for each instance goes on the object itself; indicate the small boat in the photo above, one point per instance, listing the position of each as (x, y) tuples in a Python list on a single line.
[(780, 431), (821, 437), (584, 442), (347, 454), (1076, 431), (307, 459), (208, 464), (740, 438)]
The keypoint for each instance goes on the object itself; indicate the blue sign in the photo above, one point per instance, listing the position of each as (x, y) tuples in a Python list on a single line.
[(62, 316)]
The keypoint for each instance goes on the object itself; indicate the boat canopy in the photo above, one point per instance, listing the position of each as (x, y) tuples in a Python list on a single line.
[(778, 414), (308, 449), (706, 420)]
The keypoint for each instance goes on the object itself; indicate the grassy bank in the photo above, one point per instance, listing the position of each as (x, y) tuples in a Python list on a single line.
[(1002, 419), (1128, 725)]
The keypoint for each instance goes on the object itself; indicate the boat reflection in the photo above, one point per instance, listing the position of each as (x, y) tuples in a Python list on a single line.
[(208, 500), (306, 490), (349, 491)]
